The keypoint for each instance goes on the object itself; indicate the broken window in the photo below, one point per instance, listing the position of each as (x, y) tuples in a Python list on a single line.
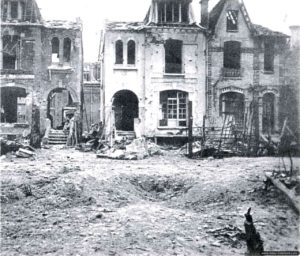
[(55, 50), (13, 104), (173, 12), (4, 7), (269, 56), (232, 20), (11, 47), (232, 55), (268, 113), (67, 49), (173, 106), (119, 52), (232, 104), (173, 56), (131, 52), (14, 10)]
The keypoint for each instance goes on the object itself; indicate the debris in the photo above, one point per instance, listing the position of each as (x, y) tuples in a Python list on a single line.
[(24, 153), (254, 241)]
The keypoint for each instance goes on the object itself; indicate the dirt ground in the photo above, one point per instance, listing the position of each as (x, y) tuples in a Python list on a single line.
[(65, 202)]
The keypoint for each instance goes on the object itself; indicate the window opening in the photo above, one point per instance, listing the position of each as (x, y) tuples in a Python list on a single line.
[(55, 50), (67, 49), (232, 20), (14, 9), (131, 52), (119, 52), (173, 56), (232, 55), (269, 56)]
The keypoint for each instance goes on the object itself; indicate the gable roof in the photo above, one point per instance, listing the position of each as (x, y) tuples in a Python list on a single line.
[(256, 30)]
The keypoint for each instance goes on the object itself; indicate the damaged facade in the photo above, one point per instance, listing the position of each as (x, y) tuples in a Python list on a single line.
[(231, 70), (152, 69), (41, 68)]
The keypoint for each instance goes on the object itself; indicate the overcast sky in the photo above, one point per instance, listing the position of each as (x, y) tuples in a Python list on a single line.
[(275, 14)]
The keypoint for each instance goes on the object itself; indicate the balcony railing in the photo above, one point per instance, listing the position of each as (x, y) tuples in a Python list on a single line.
[(231, 72)]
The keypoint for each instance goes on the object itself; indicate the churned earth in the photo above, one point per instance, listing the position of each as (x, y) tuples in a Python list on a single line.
[(64, 202)]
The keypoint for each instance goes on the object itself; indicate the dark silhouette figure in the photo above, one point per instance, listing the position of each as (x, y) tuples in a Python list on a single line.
[(254, 242)]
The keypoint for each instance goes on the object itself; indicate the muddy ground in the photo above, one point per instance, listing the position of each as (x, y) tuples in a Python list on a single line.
[(65, 202)]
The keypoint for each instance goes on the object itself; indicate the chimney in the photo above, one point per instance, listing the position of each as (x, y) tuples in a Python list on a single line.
[(295, 36), (204, 13)]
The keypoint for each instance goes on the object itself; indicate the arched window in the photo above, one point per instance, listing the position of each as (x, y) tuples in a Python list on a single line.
[(119, 52), (55, 50), (233, 104), (67, 49), (131, 52)]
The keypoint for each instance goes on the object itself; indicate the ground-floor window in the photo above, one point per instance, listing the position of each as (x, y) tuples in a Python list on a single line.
[(173, 105), (13, 105), (268, 113), (232, 104)]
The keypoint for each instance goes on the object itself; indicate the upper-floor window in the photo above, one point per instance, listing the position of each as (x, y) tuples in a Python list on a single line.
[(67, 49), (173, 56), (11, 48), (232, 20), (269, 56), (131, 52), (55, 50), (14, 12), (173, 12), (119, 52), (232, 55)]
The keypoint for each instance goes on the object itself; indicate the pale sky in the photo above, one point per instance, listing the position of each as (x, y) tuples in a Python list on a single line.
[(275, 14)]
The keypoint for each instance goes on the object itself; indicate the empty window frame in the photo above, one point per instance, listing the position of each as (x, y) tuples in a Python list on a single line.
[(269, 56), (173, 105), (119, 52), (232, 20), (173, 56), (11, 48), (268, 118), (4, 9), (233, 104), (131, 52), (172, 12), (67, 49), (55, 50), (14, 13), (232, 55)]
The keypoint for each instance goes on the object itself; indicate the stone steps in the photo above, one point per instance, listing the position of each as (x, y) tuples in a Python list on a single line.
[(57, 137)]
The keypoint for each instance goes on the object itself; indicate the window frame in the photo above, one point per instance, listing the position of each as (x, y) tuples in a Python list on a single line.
[(234, 27), (173, 110)]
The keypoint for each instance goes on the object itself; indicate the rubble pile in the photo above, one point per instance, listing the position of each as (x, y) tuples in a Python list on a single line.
[(136, 150)]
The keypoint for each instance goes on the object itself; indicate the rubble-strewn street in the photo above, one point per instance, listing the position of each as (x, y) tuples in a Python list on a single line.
[(64, 202)]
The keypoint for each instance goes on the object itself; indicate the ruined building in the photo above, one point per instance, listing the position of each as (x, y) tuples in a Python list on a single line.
[(41, 68), (152, 69), (230, 68)]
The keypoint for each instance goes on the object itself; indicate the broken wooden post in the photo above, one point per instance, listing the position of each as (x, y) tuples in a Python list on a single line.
[(190, 129), (254, 242), (35, 137)]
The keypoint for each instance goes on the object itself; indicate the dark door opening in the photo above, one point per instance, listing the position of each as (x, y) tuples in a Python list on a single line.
[(126, 107), (58, 100)]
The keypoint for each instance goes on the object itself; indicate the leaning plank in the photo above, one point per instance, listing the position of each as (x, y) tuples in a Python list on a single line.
[(288, 193)]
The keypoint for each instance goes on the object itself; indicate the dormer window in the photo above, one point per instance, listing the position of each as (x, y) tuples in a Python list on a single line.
[(232, 20), (173, 12)]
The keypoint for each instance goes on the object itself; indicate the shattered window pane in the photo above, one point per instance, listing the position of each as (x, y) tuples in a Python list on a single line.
[(119, 52), (55, 50), (173, 56), (131, 52), (67, 50), (11, 45), (232, 20)]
